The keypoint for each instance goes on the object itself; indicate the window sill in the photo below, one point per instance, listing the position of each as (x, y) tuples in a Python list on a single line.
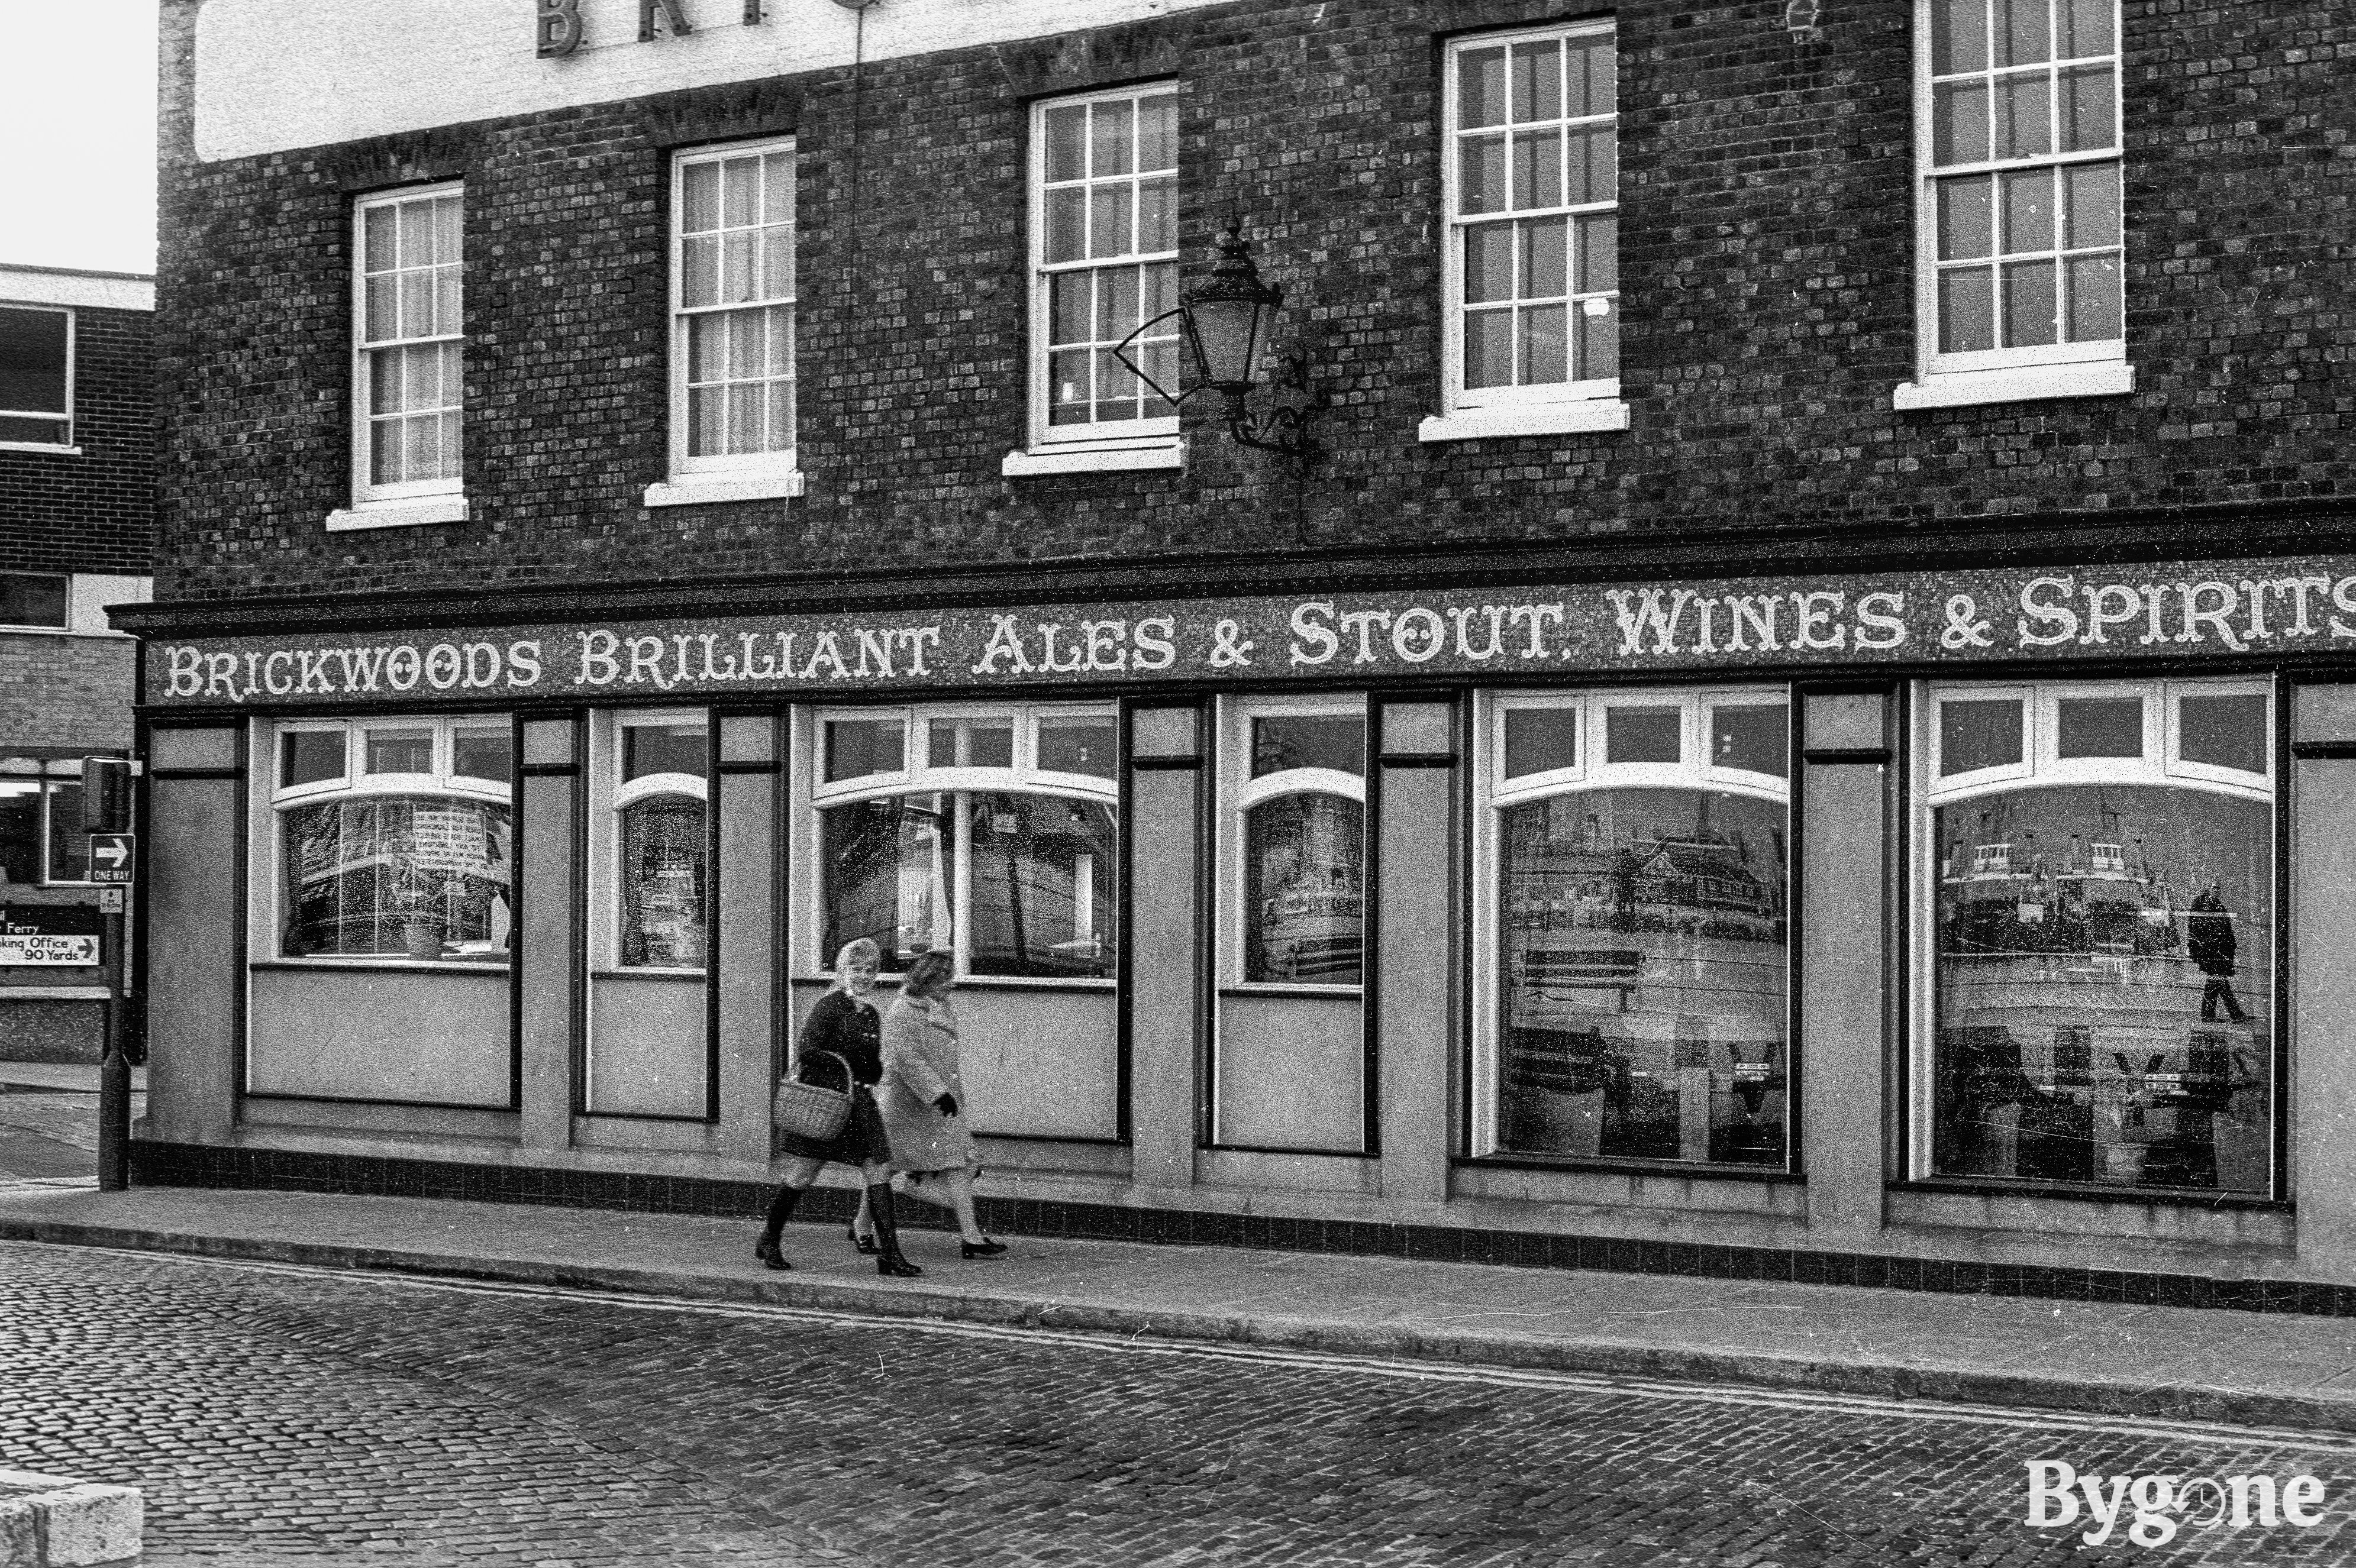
[(1596, 414), (2026, 383), (702, 489), (398, 514), (1162, 452), (52, 448)]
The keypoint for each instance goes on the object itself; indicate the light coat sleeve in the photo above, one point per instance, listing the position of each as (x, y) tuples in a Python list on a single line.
[(903, 1054)]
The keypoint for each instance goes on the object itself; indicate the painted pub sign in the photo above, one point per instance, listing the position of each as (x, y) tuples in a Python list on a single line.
[(2179, 612)]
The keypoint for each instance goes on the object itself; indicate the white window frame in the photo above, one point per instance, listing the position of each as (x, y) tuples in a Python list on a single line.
[(1141, 443), (1239, 793), (267, 901), (1550, 407), (919, 775), (2095, 368), (2159, 765), (45, 785), (1493, 794), (50, 877), (414, 501), (725, 476), (610, 795), (66, 415)]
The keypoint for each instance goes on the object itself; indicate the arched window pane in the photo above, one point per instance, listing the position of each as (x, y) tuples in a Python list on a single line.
[(2104, 988), (422, 876), (662, 883), (1643, 974), (1304, 877)]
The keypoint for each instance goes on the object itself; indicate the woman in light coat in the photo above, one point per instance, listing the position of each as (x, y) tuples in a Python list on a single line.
[(922, 1097)]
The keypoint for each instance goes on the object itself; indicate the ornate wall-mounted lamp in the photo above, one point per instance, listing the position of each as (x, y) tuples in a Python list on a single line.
[(1227, 318)]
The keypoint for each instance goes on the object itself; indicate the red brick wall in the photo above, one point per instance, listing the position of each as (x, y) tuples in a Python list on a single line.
[(1768, 308), (60, 691), (94, 511)]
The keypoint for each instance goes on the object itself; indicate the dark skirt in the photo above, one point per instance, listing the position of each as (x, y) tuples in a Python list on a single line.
[(860, 1141)]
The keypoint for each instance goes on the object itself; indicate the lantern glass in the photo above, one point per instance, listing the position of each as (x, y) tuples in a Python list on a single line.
[(1227, 338)]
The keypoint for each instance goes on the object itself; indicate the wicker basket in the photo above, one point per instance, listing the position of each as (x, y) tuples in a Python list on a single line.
[(812, 1110)]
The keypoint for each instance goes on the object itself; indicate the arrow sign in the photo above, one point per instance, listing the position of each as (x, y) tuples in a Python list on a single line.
[(113, 857)]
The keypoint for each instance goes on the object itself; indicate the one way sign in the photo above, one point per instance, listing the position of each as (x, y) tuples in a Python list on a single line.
[(113, 857)]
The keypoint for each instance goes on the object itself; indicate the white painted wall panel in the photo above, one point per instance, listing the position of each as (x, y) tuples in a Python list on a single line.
[(278, 74), (438, 1038)]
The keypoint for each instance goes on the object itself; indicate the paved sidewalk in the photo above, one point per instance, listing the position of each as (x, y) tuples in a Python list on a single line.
[(2179, 1363)]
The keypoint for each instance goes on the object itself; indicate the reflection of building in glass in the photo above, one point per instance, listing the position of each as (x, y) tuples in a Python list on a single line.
[(1643, 975), (2083, 952), (365, 876)]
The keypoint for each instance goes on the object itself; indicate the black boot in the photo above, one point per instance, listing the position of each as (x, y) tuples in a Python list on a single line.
[(781, 1208), (888, 1260)]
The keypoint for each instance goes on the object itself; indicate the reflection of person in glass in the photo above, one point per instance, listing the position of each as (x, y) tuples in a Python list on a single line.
[(2209, 942), (846, 1023)]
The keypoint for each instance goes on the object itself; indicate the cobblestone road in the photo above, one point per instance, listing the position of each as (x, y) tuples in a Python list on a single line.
[(297, 1416)]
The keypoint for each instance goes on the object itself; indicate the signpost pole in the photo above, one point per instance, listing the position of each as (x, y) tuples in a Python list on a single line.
[(113, 1074), (106, 817)]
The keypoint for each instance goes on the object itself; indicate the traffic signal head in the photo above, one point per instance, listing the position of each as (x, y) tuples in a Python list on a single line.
[(105, 795)]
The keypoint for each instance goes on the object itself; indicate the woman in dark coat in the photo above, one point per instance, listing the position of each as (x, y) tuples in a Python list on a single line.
[(845, 1023)]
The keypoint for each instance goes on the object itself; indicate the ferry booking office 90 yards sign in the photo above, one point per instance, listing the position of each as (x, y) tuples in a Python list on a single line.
[(2172, 612)]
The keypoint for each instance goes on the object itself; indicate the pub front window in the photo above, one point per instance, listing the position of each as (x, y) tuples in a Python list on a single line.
[(1635, 953), (990, 833), (393, 839), (2098, 870)]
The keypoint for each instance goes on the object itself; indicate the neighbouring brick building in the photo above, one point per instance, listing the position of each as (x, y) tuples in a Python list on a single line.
[(77, 534), (1794, 717)]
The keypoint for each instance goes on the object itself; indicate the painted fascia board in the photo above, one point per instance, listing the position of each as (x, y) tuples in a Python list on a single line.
[(273, 75)]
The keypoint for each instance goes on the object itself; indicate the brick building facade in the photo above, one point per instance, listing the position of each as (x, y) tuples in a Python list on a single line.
[(77, 534), (1775, 718)]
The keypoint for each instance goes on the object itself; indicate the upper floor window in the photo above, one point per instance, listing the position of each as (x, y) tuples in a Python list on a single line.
[(407, 346), (1531, 183), (1104, 254), (732, 383), (36, 376), (2017, 144), (34, 599)]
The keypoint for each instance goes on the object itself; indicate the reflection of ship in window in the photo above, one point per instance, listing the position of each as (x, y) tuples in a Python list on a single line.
[(2105, 964), (1642, 940), (1305, 862), (662, 883)]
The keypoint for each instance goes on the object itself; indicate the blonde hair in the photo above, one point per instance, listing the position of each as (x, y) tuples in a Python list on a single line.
[(855, 950)]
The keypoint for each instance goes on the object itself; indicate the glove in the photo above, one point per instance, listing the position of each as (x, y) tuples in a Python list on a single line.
[(946, 1104)]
